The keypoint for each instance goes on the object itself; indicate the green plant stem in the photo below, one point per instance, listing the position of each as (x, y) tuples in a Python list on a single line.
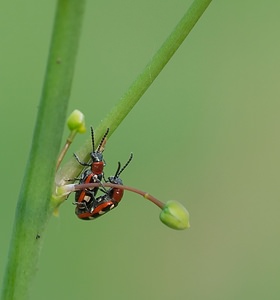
[(141, 84), (33, 209), (158, 62)]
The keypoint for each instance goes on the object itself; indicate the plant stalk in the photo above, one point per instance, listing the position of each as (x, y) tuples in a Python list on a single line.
[(33, 208)]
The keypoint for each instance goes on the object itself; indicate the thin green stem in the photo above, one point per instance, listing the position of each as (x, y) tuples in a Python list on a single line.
[(155, 66), (33, 209), (140, 85), (65, 148)]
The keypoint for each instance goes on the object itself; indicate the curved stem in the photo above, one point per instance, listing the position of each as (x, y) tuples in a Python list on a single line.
[(147, 196)]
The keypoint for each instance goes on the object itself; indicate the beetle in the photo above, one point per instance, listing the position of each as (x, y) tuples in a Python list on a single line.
[(97, 207), (84, 198)]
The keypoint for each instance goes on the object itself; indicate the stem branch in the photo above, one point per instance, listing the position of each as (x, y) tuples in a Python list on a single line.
[(147, 196), (141, 84)]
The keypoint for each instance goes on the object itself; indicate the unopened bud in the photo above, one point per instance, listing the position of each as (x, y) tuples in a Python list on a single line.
[(175, 215)]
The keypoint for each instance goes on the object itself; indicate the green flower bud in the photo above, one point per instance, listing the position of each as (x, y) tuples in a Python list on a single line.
[(175, 215), (76, 121)]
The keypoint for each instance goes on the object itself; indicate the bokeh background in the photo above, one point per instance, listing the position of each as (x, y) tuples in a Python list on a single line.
[(206, 133)]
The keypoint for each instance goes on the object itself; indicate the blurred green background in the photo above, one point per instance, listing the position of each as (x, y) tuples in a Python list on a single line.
[(206, 133)]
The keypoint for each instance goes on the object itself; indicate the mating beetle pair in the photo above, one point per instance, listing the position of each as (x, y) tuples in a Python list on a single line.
[(88, 206)]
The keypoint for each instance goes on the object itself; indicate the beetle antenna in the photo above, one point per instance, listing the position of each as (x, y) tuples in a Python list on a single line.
[(92, 138), (118, 169), (127, 163), (103, 141)]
